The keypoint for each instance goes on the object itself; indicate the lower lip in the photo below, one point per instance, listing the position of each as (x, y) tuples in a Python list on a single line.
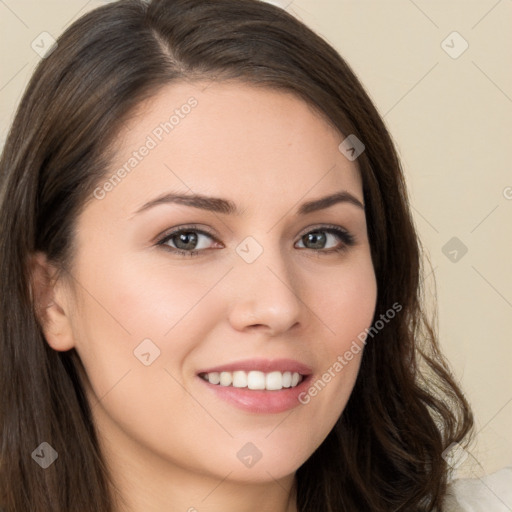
[(260, 401)]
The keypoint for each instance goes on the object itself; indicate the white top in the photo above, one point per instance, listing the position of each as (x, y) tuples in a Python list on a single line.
[(492, 493)]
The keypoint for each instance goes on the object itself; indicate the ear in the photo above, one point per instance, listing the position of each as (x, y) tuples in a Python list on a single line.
[(49, 302)]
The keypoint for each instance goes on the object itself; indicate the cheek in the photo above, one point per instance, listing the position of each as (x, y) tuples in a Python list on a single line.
[(344, 301), (345, 304), (140, 297), (127, 302)]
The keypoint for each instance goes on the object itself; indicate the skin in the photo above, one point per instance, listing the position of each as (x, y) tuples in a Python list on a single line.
[(170, 444)]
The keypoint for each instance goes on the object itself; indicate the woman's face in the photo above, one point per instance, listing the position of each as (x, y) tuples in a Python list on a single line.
[(250, 293)]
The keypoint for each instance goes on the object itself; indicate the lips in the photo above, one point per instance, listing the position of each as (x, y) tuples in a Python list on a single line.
[(258, 385)]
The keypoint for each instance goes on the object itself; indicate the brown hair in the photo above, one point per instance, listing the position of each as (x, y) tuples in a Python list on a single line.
[(385, 452)]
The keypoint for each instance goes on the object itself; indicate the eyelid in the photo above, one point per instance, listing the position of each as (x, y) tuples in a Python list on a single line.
[(185, 227), (206, 231), (319, 227)]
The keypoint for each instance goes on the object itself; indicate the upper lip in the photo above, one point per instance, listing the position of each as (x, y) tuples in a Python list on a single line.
[(262, 365)]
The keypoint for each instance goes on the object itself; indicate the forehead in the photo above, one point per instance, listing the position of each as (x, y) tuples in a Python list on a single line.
[(233, 140)]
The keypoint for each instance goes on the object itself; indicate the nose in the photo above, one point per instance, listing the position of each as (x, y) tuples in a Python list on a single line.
[(265, 295)]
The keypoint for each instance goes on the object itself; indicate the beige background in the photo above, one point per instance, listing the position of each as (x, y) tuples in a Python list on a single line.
[(451, 119)]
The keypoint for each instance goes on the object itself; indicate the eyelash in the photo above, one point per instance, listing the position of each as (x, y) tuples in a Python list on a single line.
[(348, 240)]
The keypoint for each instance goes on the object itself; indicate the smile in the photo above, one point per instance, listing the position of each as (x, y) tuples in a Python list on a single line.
[(261, 386)]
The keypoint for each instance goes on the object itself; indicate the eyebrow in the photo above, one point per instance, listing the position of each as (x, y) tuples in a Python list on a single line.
[(225, 206)]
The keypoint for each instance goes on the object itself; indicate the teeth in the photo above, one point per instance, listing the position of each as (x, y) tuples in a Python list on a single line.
[(239, 380), (214, 377), (226, 378), (272, 381)]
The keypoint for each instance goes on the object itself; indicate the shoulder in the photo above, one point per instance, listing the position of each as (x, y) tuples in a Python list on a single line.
[(492, 493)]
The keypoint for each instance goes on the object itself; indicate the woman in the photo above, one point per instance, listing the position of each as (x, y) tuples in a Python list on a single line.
[(213, 287)]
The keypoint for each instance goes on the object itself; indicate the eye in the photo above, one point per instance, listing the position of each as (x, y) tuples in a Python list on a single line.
[(318, 238), (187, 241), (190, 241)]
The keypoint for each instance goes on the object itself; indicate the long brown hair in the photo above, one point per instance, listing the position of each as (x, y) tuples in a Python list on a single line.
[(385, 452)]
